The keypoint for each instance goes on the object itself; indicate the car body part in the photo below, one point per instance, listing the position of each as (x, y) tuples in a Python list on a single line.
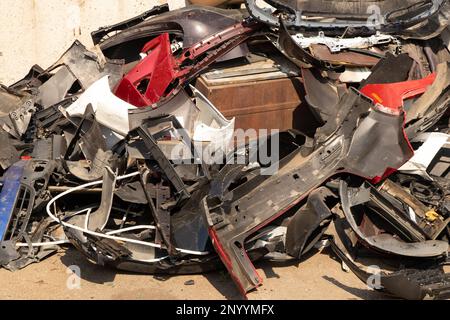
[(10, 195), (160, 158), (431, 106), (53, 148), (286, 43), (92, 140), (133, 247), (160, 214), (91, 170), (96, 154), (159, 211), (439, 166), (160, 73), (156, 197), (234, 215), (103, 246), (354, 75), (16, 111), (109, 110), (426, 110), (9, 154), (21, 118), (392, 95), (349, 58), (211, 126), (24, 190), (133, 192), (77, 69), (104, 33), (410, 237), (51, 120), (88, 67), (98, 219), (322, 95), (31, 80), (309, 223), (56, 88), (434, 224), (432, 27), (391, 69), (215, 3), (340, 44), (37, 175), (20, 255), (199, 118), (271, 242), (362, 17), (188, 227), (413, 280), (161, 202), (190, 24), (11, 100), (423, 156)]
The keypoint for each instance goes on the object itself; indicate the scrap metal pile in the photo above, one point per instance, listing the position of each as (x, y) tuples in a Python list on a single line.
[(116, 152)]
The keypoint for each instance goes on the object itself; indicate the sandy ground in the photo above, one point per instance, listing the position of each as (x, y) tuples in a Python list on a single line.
[(317, 277)]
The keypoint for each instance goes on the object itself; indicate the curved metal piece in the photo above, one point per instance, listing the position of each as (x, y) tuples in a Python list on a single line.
[(98, 219), (419, 247), (307, 226), (359, 17), (193, 23), (162, 74), (432, 104), (293, 51), (101, 34), (416, 281), (354, 146)]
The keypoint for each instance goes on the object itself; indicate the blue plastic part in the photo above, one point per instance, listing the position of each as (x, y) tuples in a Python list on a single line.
[(9, 194)]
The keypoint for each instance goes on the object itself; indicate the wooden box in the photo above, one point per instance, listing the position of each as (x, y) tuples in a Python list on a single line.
[(259, 96)]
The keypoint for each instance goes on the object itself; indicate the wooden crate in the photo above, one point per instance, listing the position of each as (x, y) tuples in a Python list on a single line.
[(266, 100)]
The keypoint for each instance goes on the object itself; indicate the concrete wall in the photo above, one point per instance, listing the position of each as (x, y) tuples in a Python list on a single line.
[(39, 31)]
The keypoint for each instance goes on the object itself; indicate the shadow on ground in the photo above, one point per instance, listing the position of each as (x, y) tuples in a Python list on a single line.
[(101, 275), (220, 279), (90, 271), (363, 294)]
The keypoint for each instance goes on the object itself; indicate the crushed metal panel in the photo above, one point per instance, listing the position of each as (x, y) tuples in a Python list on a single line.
[(9, 155), (231, 222), (110, 111), (10, 195), (350, 17), (56, 88), (88, 67), (418, 245), (407, 282), (192, 24), (419, 163), (162, 74)]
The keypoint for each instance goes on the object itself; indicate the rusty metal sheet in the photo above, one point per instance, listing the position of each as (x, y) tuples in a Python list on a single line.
[(322, 52)]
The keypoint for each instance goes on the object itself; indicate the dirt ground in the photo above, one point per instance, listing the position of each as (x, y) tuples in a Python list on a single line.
[(317, 277)]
